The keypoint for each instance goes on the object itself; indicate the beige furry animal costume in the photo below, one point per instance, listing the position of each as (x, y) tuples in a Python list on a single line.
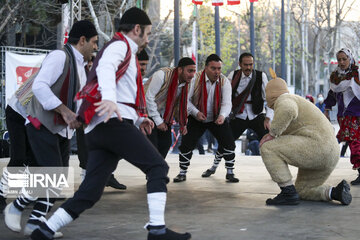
[(303, 137)]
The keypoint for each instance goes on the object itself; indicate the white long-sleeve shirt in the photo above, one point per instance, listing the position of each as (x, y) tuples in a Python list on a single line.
[(248, 112), (153, 109), (225, 107), (51, 69), (125, 89)]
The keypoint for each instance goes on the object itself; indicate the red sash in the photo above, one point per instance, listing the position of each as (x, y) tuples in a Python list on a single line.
[(202, 104), (171, 99), (90, 93)]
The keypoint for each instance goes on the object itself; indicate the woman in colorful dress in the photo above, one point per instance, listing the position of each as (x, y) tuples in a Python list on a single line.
[(345, 91)]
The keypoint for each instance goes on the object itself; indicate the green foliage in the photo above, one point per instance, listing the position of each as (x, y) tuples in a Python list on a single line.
[(206, 39)]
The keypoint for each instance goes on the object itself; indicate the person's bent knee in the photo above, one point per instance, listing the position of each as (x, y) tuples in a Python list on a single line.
[(265, 149), (157, 178)]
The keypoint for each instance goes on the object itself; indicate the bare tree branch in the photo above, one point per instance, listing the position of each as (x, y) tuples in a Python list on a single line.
[(10, 14), (96, 21)]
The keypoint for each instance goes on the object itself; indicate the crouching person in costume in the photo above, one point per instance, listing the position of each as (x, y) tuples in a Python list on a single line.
[(296, 137)]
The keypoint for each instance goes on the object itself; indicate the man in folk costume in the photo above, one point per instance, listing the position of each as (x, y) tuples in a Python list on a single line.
[(248, 97), (300, 135), (209, 105), (112, 135), (48, 100), (166, 97)]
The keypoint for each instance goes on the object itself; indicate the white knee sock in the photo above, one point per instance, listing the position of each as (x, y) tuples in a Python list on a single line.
[(59, 219), (156, 204)]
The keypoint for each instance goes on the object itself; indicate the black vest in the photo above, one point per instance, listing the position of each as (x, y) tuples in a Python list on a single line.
[(256, 96)]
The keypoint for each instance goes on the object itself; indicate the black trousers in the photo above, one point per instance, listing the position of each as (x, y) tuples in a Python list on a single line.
[(107, 143), (195, 130), (161, 140), (20, 150), (50, 150), (82, 149), (238, 126)]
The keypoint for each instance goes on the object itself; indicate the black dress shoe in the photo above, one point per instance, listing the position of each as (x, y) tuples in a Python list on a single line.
[(180, 178), (112, 182), (170, 235), (208, 173), (342, 193), (2, 204), (39, 235), (356, 181), (287, 196), (230, 177)]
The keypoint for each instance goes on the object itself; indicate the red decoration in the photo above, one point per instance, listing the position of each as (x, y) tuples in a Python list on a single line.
[(198, 2), (233, 2), (217, 2)]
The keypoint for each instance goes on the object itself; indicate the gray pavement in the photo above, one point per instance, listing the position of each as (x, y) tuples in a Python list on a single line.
[(213, 209)]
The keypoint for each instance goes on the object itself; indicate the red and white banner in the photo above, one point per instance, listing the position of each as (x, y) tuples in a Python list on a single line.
[(253, 1), (217, 2), (198, 2), (233, 2), (18, 68)]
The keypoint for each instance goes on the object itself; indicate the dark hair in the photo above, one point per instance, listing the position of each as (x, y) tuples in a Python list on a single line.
[(185, 61), (212, 57), (143, 56), (245, 54), (128, 27), (74, 41)]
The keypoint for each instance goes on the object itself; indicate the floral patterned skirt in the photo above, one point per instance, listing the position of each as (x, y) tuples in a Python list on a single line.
[(349, 129), (350, 132)]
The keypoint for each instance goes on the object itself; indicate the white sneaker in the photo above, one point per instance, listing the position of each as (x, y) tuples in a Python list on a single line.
[(29, 228), (12, 220)]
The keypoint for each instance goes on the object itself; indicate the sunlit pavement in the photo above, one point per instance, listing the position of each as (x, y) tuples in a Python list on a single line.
[(210, 208)]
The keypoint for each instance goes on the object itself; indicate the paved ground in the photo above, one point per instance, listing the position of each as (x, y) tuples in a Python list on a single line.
[(213, 209)]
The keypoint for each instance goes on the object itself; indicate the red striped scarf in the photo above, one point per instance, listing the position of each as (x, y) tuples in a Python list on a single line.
[(202, 103), (90, 93), (171, 99)]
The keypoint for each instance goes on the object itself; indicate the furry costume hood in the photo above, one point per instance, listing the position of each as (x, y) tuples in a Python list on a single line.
[(274, 89)]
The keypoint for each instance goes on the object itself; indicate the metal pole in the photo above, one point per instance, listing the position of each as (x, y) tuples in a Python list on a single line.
[(217, 31), (75, 8), (239, 35), (288, 75), (274, 39), (176, 32), (283, 60), (196, 37), (252, 29)]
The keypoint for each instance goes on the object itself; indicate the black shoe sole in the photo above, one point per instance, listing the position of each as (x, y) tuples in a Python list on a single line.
[(232, 180), (207, 173), (38, 235), (178, 180), (289, 203), (346, 197)]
